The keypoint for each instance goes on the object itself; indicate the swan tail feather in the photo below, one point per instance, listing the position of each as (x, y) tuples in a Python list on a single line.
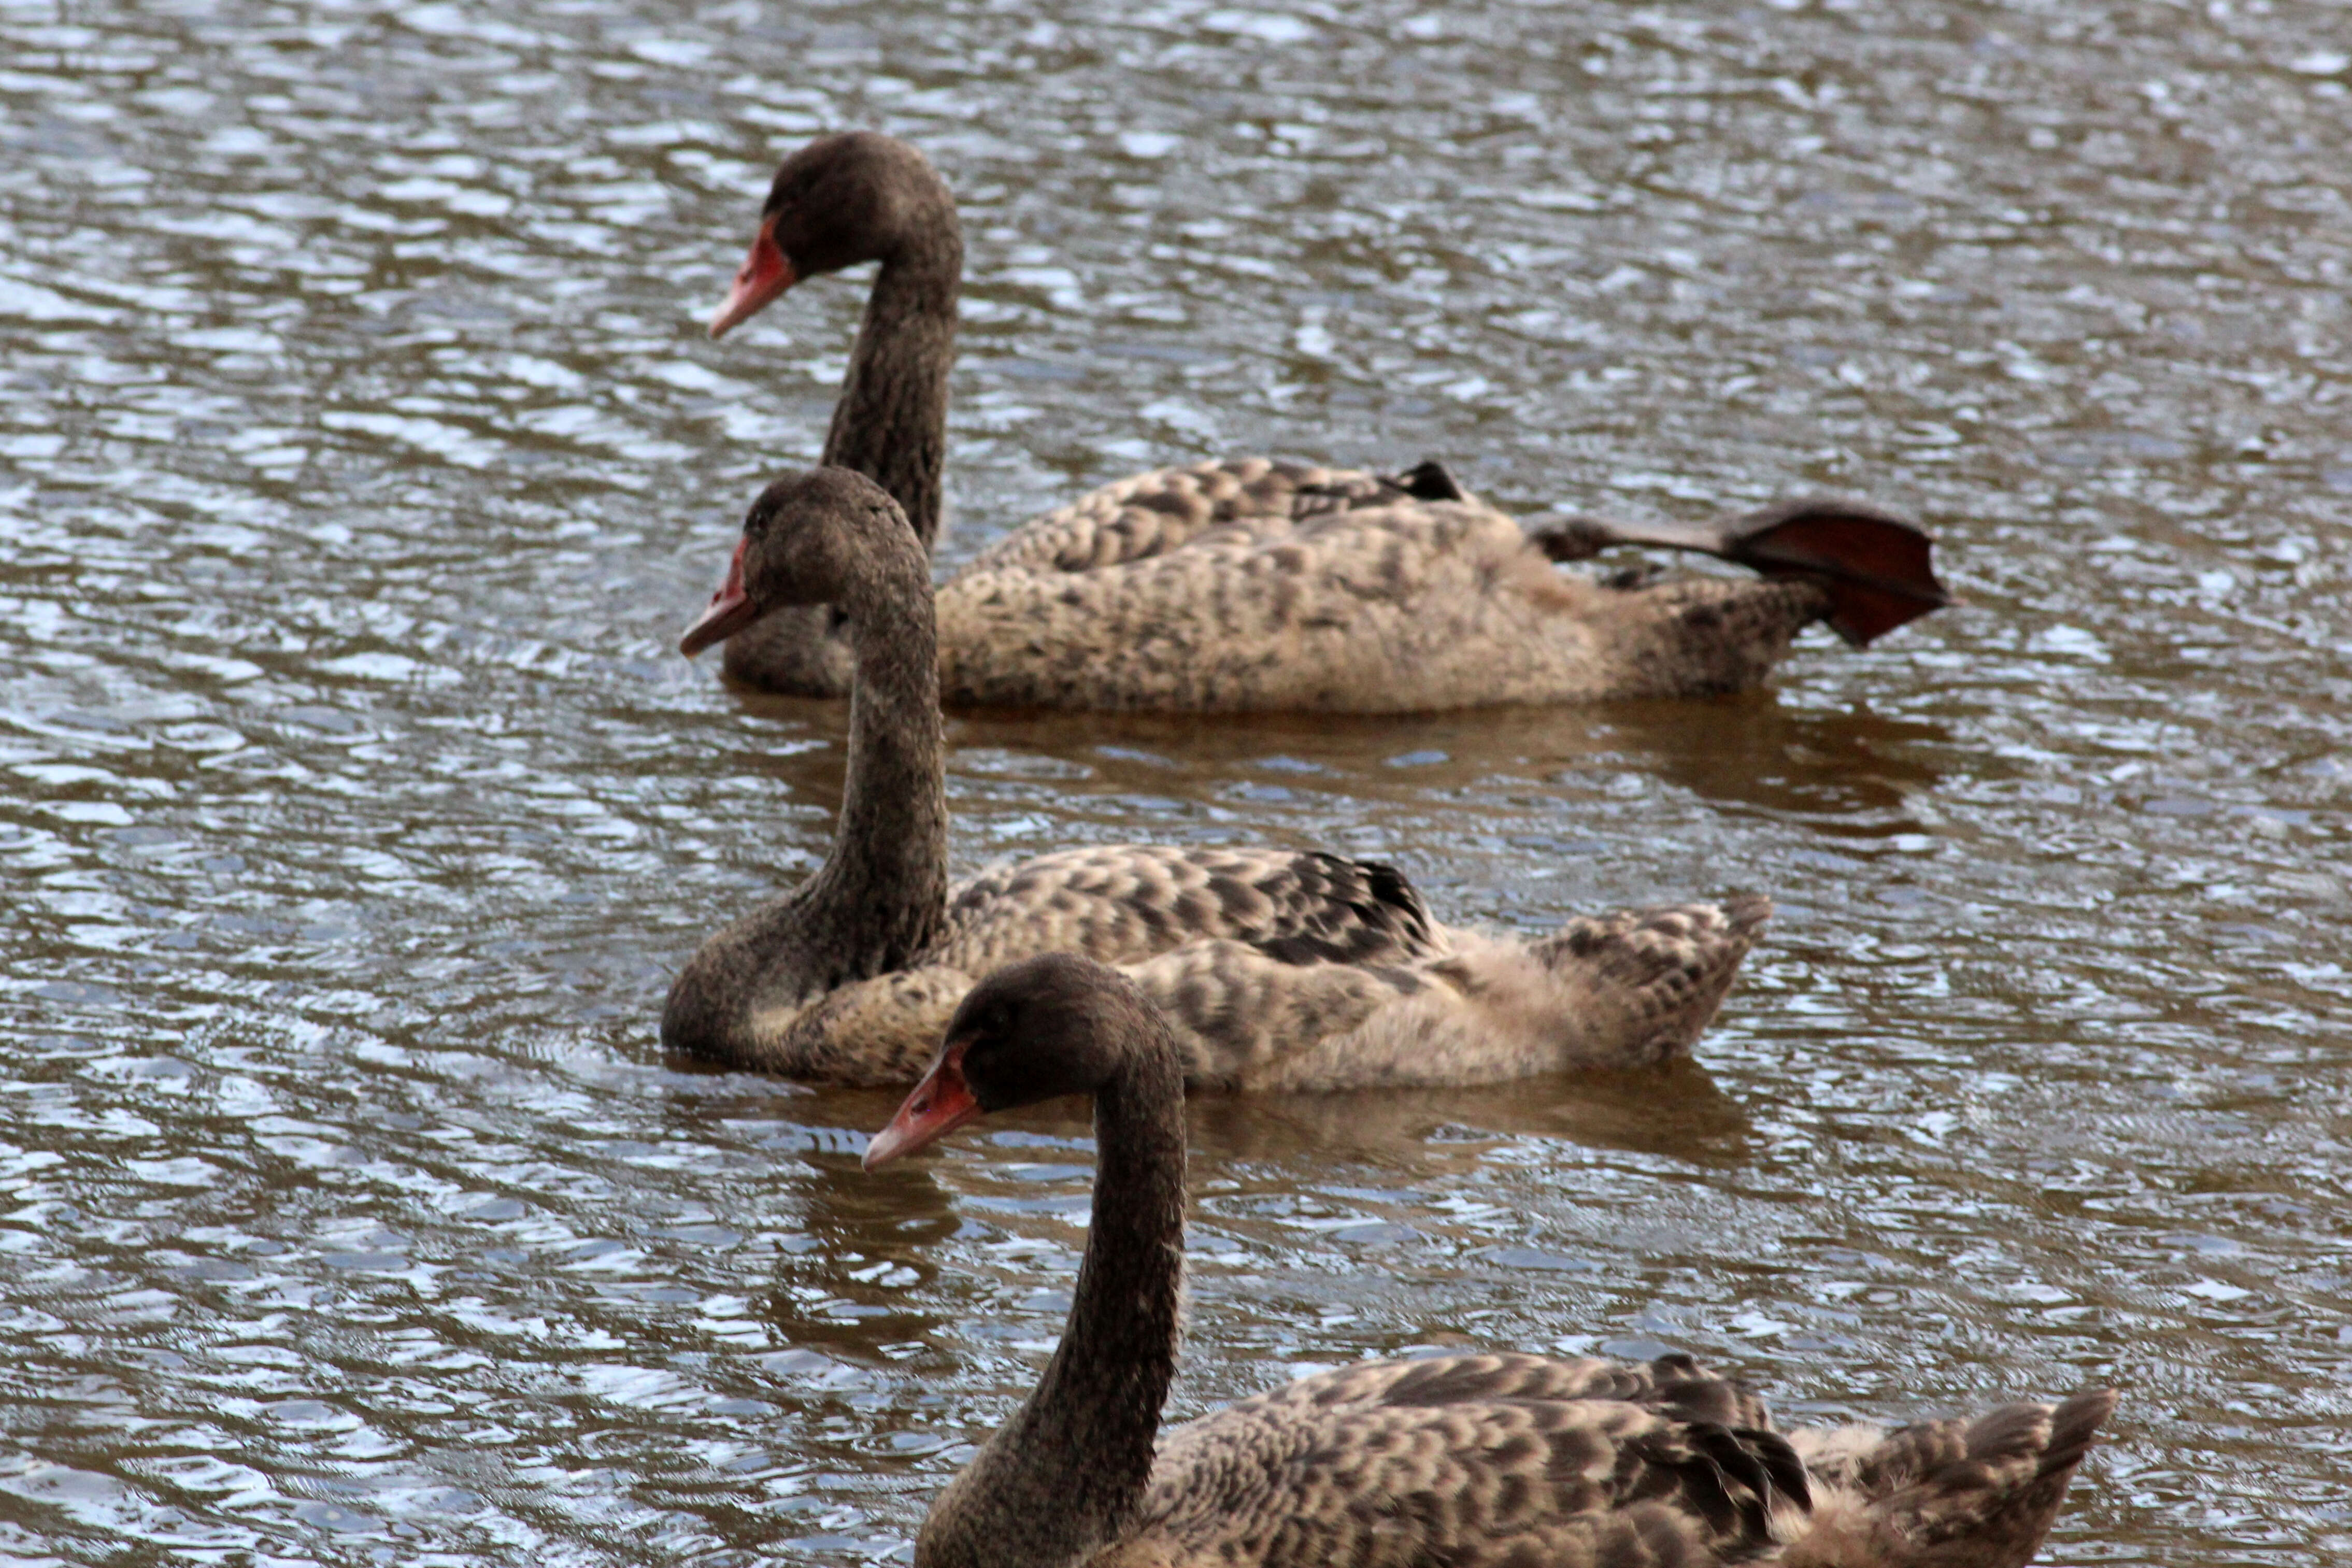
[(1945, 1494), (1658, 975)]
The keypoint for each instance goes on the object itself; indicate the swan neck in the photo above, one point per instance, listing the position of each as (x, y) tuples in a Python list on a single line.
[(885, 884), (879, 901), (891, 422), (1087, 1432)]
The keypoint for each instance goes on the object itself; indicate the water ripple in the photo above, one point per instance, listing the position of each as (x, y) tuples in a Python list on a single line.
[(361, 455)]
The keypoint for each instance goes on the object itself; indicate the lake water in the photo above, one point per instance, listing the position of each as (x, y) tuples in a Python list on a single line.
[(361, 455)]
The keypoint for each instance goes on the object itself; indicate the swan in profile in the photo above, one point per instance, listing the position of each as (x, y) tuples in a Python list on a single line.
[(1284, 969), (1257, 585), (1472, 1461)]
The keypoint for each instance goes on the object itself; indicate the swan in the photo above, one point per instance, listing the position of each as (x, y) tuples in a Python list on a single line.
[(1285, 970), (1471, 1460), (1256, 585)]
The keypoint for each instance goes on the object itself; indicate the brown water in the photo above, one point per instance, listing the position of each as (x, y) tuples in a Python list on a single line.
[(360, 455)]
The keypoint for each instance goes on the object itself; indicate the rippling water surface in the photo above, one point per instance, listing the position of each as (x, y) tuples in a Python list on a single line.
[(360, 455)]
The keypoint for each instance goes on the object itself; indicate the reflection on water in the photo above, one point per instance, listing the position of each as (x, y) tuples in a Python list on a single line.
[(1827, 768), (360, 454), (1679, 1112)]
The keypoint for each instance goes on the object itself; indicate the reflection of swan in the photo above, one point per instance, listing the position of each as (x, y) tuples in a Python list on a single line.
[(1470, 1461), (1675, 1111), (1844, 774), (1252, 584), (1286, 970), (870, 1250), (1850, 776)]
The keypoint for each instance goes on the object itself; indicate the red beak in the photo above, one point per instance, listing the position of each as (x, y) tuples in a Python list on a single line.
[(730, 610), (765, 273), (940, 1104)]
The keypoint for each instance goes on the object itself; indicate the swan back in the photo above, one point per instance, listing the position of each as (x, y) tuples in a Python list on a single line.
[(1263, 586)]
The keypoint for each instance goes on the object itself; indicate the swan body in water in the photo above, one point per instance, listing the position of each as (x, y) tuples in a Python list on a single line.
[(1285, 969), (1476, 1461), (1257, 585)]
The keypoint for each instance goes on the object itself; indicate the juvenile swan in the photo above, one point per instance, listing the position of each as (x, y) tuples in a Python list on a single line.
[(1256, 585), (1284, 969), (1472, 1461)]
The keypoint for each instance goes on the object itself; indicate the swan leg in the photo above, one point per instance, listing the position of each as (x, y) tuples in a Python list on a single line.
[(1875, 570)]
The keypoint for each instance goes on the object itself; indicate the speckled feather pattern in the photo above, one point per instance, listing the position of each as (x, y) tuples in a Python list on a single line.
[(1156, 512), (1279, 969), (1129, 901), (1296, 970), (1524, 1461), (1252, 584), (1946, 1494)]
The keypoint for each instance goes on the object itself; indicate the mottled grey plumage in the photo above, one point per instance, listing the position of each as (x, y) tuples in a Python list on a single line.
[(1282, 969), (1473, 1461), (1256, 585), (1126, 902), (1947, 1494)]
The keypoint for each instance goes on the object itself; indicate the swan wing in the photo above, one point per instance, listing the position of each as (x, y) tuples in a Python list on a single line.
[(1123, 903), (1634, 988), (1477, 1460), (1397, 604), (1153, 513), (1247, 1021), (1675, 1383), (1491, 1460)]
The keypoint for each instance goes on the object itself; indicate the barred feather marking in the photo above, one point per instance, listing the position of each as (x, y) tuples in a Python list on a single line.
[(1282, 971), (1255, 585), (1124, 902), (1947, 1494), (1488, 1461)]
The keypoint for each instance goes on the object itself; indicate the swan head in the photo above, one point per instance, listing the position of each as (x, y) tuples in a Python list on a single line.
[(806, 540), (857, 196), (1034, 1030)]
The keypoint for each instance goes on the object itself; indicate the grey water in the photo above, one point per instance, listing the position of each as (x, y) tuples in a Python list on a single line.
[(361, 455)]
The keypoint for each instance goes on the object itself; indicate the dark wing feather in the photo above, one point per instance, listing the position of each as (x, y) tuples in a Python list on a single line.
[(1331, 909), (1473, 1461), (1733, 1476), (1125, 903), (1153, 513)]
